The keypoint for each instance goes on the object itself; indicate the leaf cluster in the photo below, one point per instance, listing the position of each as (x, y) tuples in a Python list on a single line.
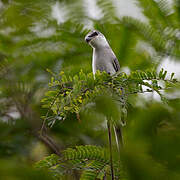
[(90, 161), (71, 95)]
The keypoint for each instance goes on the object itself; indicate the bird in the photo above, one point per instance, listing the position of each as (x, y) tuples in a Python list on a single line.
[(104, 59)]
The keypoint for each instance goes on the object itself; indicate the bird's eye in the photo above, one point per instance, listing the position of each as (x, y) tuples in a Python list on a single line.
[(93, 34)]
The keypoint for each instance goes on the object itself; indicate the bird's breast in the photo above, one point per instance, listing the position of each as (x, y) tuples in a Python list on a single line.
[(102, 62)]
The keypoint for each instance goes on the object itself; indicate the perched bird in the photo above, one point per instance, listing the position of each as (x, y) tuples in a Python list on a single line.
[(104, 59)]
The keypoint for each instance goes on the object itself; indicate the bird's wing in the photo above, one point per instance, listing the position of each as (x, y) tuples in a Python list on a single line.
[(116, 64)]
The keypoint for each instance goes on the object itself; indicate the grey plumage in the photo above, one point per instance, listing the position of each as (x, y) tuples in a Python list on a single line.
[(104, 59)]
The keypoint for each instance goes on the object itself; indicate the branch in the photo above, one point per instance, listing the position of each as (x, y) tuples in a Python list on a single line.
[(44, 122), (43, 137), (49, 143)]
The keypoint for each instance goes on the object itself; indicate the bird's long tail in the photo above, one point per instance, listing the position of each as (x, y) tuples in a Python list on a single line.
[(119, 136)]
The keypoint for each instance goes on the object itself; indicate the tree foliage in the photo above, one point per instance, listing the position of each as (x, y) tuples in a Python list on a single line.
[(37, 48), (92, 160), (71, 95)]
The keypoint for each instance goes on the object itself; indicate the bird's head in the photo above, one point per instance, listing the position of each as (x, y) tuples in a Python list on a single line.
[(96, 39)]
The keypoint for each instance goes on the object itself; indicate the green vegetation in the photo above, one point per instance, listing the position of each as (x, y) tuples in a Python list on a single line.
[(53, 111)]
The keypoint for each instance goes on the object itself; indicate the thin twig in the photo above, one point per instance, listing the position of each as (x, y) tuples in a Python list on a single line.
[(43, 125)]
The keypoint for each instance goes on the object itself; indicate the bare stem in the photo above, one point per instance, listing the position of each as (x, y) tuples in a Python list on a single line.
[(44, 121), (49, 143)]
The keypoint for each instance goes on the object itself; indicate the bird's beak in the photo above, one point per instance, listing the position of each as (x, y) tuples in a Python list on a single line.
[(88, 39)]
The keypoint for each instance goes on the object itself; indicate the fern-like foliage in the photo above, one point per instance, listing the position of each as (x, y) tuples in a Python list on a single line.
[(92, 161), (159, 9), (164, 28), (165, 42), (51, 163), (108, 10), (70, 95)]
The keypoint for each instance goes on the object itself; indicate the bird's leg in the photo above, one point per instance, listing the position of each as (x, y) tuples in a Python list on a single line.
[(110, 149)]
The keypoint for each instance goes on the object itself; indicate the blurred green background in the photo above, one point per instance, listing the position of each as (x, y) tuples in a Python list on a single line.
[(39, 38)]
